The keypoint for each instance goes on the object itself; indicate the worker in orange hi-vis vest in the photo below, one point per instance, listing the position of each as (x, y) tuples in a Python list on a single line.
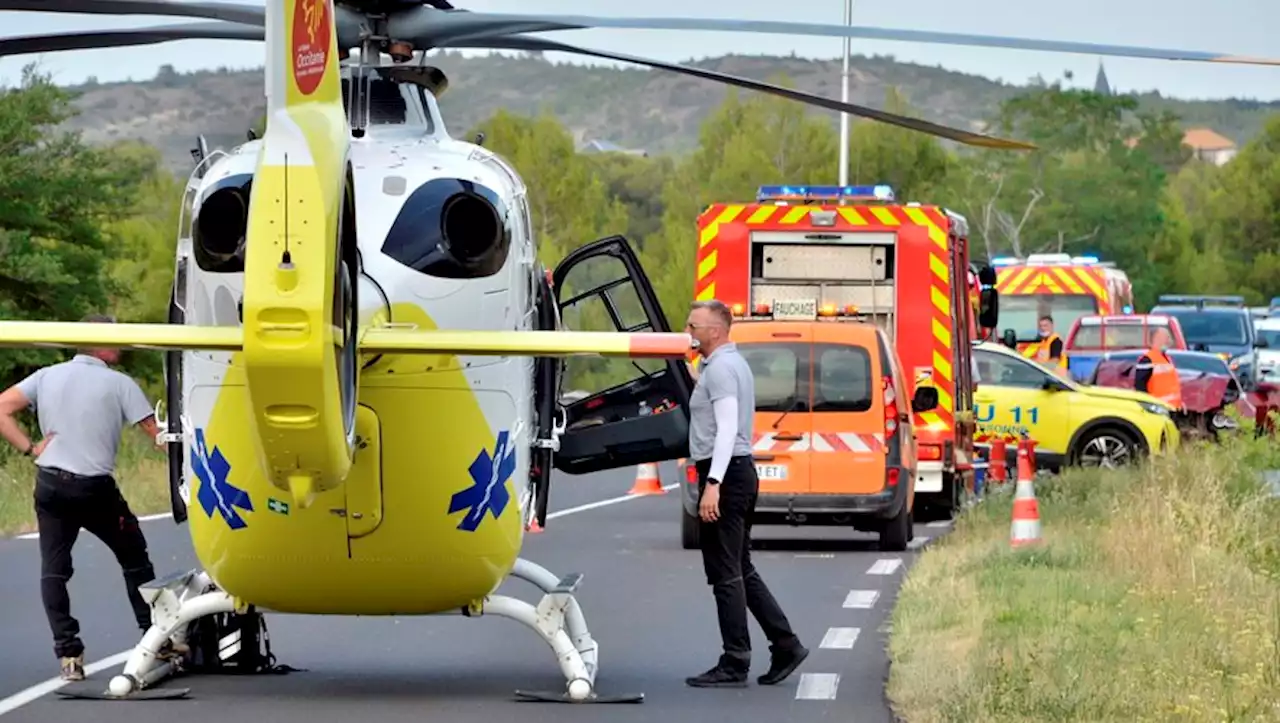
[(1048, 350), (1155, 374)]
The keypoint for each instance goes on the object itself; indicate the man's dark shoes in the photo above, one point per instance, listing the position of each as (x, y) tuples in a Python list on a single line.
[(721, 676), (783, 662)]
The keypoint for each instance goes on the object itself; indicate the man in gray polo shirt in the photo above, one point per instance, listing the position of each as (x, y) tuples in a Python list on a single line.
[(722, 412), (82, 406)]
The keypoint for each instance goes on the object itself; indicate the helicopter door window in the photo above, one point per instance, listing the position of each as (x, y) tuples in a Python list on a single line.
[(625, 411)]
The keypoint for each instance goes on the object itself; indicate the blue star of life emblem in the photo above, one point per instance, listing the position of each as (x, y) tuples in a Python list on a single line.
[(488, 493), (215, 491)]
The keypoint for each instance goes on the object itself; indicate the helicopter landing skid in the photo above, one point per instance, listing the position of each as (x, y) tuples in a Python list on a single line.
[(176, 601), (558, 620)]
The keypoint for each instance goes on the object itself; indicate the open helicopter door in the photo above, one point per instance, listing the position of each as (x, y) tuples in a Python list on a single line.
[(642, 413)]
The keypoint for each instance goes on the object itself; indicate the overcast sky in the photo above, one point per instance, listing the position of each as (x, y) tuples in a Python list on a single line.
[(1238, 27)]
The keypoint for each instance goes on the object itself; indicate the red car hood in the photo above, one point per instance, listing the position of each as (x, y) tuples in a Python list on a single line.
[(1201, 394)]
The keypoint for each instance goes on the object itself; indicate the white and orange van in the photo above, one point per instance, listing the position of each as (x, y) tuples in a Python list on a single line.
[(833, 442)]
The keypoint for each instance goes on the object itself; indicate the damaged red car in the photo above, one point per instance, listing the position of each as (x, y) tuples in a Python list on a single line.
[(1209, 388)]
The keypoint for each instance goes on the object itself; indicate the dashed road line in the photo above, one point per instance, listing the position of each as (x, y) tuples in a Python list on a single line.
[(885, 566), (818, 686), (938, 523), (917, 543), (862, 599), (840, 638)]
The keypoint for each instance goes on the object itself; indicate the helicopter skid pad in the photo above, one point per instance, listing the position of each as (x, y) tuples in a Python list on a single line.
[(94, 691), (537, 696)]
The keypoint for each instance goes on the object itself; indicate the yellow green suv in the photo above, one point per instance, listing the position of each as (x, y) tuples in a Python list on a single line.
[(1071, 423)]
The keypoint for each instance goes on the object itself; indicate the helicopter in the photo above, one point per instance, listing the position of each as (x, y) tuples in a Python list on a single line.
[(364, 354)]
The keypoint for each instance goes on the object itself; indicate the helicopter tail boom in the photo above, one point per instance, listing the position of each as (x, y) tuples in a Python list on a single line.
[(294, 290)]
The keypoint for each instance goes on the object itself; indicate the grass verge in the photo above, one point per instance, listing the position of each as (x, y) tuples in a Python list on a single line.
[(142, 472), (1154, 596)]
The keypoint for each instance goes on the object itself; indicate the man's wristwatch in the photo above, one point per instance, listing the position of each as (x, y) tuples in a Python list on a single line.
[(712, 482), (31, 445)]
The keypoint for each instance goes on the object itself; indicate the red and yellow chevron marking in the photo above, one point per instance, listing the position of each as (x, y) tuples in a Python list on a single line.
[(1014, 280), (723, 255), (704, 287), (940, 299)]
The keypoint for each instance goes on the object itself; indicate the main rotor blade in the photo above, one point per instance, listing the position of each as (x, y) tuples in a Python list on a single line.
[(915, 124), (86, 39), (430, 27), (232, 13)]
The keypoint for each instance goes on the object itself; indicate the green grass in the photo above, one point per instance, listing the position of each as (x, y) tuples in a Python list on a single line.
[(141, 471), (1155, 596)]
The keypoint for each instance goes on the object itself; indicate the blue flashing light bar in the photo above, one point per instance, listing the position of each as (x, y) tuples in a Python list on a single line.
[(824, 193), (1005, 261)]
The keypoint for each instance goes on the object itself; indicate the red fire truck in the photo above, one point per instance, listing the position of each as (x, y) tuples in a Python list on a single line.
[(903, 266)]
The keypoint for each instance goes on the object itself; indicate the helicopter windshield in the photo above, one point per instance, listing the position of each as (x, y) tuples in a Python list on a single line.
[(385, 102)]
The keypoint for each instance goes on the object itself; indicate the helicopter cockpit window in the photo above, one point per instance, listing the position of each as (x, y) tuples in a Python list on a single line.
[(383, 102)]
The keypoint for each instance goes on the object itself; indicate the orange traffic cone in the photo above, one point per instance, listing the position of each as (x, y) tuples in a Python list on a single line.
[(647, 482), (1025, 529)]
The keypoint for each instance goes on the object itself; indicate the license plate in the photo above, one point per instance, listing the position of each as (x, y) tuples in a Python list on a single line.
[(795, 309), (771, 471)]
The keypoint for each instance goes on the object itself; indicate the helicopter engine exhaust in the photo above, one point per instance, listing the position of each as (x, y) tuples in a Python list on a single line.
[(221, 224), (451, 228)]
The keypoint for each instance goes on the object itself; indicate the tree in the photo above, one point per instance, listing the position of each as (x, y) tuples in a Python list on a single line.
[(57, 197)]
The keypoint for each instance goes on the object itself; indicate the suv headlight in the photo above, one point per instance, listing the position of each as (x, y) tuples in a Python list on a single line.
[(1154, 408)]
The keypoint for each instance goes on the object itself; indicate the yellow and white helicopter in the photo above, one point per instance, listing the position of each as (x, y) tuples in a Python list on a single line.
[(364, 354)]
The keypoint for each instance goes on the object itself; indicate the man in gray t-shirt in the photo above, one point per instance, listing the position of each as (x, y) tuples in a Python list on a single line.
[(82, 406), (722, 411)]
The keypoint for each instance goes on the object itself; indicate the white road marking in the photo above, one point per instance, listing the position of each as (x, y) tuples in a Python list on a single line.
[(18, 700), (21, 698), (939, 523), (144, 518), (817, 686), (550, 515), (885, 566), (864, 599), (840, 638), (917, 543), (604, 503), (815, 556)]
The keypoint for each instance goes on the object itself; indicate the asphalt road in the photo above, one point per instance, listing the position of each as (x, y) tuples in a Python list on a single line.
[(644, 598)]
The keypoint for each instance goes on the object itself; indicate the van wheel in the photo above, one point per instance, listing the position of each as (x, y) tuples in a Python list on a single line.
[(896, 532), (689, 538)]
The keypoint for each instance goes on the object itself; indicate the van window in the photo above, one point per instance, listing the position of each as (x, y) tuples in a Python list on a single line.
[(777, 369), (842, 379)]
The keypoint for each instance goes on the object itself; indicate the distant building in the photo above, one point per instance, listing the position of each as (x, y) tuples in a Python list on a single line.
[(602, 146), (1101, 85), (1208, 145)]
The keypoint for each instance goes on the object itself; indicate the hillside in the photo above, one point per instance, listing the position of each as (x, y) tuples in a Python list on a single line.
[(633, 107)]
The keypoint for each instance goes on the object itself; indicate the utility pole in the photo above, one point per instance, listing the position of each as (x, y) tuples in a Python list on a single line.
[(844, 98)]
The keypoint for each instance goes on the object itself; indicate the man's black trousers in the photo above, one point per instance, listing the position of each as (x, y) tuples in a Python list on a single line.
[(64, 504), (726, 558)]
